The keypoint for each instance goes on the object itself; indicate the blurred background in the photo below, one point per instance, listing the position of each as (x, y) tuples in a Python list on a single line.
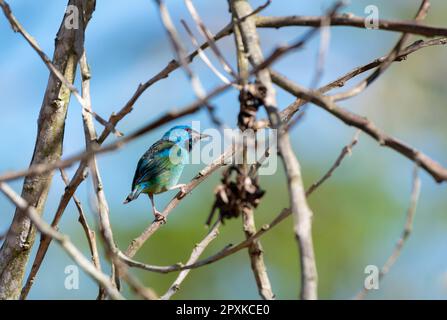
[(358, 214)]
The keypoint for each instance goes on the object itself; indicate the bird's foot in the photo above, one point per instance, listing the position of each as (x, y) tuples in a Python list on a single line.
[(159, 217), (183, 190)]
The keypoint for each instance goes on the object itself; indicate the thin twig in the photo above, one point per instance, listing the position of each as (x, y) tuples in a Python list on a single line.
[(255, 11), (195, 255), (89, 233), (202, 54), (179, 50), (280, 51), (322, 53), (209, 38), (17, 27), (46, 240), (416, 190), (346, 151), (415, 46), (362, 85), (164, 73)]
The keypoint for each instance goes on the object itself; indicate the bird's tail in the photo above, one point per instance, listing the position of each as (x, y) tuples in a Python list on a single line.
[(133, 195)]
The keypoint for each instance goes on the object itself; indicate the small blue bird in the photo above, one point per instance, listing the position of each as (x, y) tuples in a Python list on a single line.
[(160, 168)]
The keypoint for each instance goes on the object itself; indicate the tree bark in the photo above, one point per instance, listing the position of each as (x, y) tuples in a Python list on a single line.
[(15, 251)]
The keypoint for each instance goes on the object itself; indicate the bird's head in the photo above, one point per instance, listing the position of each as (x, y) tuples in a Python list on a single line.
[(184, 136)]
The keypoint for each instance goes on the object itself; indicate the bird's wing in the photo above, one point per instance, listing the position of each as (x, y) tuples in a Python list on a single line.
[(154, 162)]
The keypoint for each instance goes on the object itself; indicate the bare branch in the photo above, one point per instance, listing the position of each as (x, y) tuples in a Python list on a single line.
[(416, 190), (82, 156), (63, 241), (288, 112), (203, 56), (112, 250), (346, 151), (195, 255), (90, 135), (171, 66), (280, 51), (417, 45), (17, 27), (15, 251), (90, 140), (45, 241), (301, 211), (438, 172), (362, 85), (209, 38), (246, 119), (351, 21), (179, 50), (256, 11), (89, 234)]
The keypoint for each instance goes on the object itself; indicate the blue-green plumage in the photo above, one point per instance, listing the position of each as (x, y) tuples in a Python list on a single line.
[(161, 166), (155, 171)]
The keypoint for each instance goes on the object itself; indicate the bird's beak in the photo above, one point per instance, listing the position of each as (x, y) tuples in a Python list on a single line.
[(204, 136)]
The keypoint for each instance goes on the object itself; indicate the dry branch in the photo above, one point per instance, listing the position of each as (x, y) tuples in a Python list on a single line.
[(41, 168), (346, 150), (348, 20), (63, 241), (362, 85), (195, 255), (15, 250), (102, 206), (300, 209), (246, 119), (438, 172), (210, 39), (89, 234), (416, 190), (17, 27)]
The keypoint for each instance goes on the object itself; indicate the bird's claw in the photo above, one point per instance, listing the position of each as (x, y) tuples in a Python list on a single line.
[(183, 191), (159, 217)]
